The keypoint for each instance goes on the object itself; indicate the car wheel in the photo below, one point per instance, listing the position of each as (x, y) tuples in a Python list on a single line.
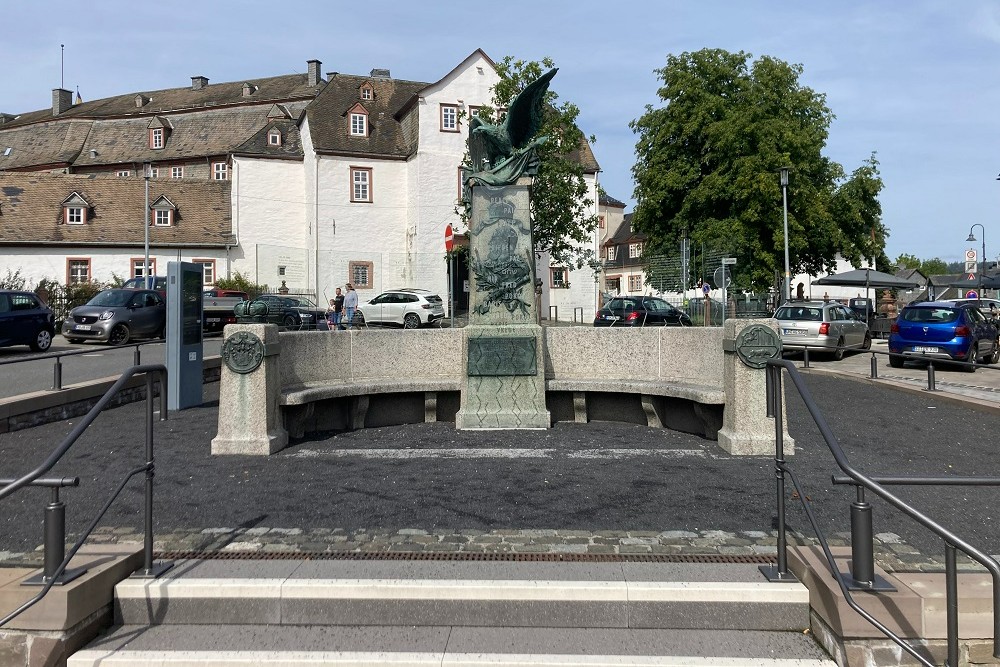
[(839, 352), (972, 358), (896, 360), (411, 321), (288, 322), (43, 341), (867, 344), (119, 335), (995, 355), (359, 318)]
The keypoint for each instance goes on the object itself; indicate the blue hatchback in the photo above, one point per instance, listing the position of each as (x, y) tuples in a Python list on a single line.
[(943, 330), (25, 320)]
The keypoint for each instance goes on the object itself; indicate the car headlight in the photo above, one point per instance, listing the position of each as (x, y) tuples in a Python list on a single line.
[(107, 314)]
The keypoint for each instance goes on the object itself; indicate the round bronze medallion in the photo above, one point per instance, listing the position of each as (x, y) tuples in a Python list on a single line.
[(243, 352), (756, 344)]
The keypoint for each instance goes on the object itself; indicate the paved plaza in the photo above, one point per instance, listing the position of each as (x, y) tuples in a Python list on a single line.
[(600, 488)]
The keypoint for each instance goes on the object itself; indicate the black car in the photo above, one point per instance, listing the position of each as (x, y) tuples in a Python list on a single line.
[(25, 320), (292, 312), (640, 311)]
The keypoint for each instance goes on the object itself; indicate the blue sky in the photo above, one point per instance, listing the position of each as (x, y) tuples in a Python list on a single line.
[(916, 82)]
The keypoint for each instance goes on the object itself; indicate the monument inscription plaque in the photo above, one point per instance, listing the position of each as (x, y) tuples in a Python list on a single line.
[(502, 356)]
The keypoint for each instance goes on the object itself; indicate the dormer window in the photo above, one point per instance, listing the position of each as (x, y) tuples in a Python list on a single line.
[(611, 253), (274, 137), (163, 212), (75, 210), (156, 138), (367, 92), (158, 129), (359, 125)]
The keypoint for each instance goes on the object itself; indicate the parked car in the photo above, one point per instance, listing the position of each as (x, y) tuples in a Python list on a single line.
[(640, 311), (116, 316), (158, 283), (827, 326), (943, 330), (292, 312), (218, 308), (410, 307), (25, 320)]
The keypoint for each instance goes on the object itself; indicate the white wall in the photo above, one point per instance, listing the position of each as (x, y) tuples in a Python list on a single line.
[(38, 263)]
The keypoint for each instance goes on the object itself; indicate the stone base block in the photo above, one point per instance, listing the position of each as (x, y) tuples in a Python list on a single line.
[(502, 420), (256, 446), (741, 444)]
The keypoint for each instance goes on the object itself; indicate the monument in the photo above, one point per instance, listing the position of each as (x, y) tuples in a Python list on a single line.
[(503, 386)]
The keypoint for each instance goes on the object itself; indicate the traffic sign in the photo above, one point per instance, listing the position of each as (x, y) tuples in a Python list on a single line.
[(970, 267), (722, 278), (728, 260), (449, 239), (971, 276), (971, 294), (970, 255)]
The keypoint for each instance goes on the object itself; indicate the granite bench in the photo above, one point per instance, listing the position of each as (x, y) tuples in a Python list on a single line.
[(298, 401), (678, 405)]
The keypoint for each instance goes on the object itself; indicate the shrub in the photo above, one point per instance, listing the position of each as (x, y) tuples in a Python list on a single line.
[(243, 284)]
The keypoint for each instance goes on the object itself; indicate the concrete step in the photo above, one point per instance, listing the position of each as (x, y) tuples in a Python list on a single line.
[(473, 594), (295, 646)]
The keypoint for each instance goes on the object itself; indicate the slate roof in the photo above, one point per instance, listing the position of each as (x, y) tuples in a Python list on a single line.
[(328, 119), (31, 210), (607, 200), (624, 233), (267, 90), (50, 144)]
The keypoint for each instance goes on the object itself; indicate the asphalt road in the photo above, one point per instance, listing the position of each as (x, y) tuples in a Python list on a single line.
[(101, 361), (564, 478)]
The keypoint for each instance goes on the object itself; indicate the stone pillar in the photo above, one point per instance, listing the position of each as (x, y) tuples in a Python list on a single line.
[(249, 416), (503, 386), (746, 428)]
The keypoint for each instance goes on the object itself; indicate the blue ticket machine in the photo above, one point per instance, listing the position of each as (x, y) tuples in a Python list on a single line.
[(184, 328)]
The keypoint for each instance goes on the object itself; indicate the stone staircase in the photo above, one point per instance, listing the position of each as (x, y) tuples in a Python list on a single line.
[(292, 613)]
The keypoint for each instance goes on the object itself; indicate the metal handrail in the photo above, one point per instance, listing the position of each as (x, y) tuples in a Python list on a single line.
[(57, 366), (160, 371), (859, 479)]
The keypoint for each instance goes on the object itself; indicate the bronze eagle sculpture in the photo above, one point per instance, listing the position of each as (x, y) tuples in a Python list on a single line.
[(500, 154)]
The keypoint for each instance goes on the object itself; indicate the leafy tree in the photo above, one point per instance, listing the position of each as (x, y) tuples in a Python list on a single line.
[(242, 283), (928, 267), (905, 261), (708, 163), (560, 205)]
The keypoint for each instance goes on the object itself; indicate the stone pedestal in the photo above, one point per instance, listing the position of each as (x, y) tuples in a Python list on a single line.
[(249, 417), (503, 386), (746, 428)]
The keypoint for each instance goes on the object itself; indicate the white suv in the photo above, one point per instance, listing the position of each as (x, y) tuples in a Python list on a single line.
[(408, 306)]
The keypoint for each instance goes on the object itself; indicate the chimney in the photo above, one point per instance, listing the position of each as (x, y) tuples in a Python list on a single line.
[(314, 75), (377, 73), (198, 82), (62, 100)]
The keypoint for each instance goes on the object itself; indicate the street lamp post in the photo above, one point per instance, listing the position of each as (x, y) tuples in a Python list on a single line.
[(147, 172), (784, 205), (983, 268)]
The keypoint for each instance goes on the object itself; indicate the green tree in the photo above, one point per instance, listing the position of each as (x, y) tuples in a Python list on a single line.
[(560, 203), (905, 261), (708, 163), (928, 267)]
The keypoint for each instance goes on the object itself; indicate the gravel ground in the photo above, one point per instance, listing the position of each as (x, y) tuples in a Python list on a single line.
[(593, 488)]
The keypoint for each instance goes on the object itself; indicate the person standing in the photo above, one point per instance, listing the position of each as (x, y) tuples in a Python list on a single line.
[(350, 305), (336, 311)]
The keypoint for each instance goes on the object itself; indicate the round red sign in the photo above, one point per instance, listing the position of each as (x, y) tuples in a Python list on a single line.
[(449, 239)]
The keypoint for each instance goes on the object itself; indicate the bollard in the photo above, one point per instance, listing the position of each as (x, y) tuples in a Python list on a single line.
[(554, 313), (55, 535), (57, 375), (862, 541), (805, 357), (931, 386), (136, 361), (874, 367)]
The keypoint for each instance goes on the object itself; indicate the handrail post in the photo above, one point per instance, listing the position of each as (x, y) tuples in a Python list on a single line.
[(951, 597), (931, 384), (773, 388), (149, 570), (57, 375), (862, 573), (874, 375), (54, 545)]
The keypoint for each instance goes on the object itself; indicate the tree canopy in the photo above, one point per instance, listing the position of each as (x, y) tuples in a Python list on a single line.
[(560, 198), (708, 165)]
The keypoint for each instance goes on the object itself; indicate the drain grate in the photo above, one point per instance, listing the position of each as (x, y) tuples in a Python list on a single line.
[(760, 559)]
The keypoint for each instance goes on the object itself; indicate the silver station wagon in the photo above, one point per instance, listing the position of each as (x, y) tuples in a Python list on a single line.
[(825, 326)]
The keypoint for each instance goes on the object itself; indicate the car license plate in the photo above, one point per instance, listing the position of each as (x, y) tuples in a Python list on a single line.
[(83, 327), (922, 348), (795, 332), (613, 318), (213, 320)]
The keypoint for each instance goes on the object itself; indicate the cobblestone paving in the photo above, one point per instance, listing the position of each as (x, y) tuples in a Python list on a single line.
[(891, 553)]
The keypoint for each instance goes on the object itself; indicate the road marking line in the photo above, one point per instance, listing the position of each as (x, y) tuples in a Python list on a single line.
[(497, 453)]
